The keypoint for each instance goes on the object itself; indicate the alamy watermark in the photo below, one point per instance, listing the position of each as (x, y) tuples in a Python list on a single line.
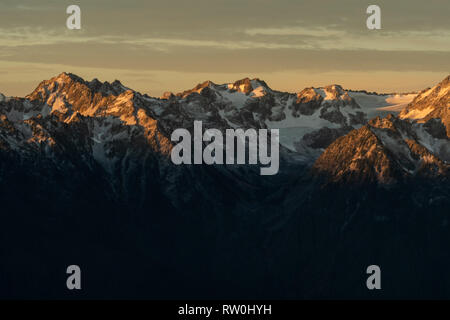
[(374, 20), (374, 280), (233, 151), (74, 280), (74, 20)]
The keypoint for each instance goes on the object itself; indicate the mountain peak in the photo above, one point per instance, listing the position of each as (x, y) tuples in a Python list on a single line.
[(334, 87), (333, 91), (106, 88), (247, 85), (69, 82), (67, 76), (197, 89), (68, 94), (243, 85)]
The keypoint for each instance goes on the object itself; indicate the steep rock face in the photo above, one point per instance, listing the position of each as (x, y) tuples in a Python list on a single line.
[(431, 104), (358, 155)]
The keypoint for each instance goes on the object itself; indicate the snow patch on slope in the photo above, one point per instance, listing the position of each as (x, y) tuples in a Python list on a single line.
[(417, 114), (379, 105)]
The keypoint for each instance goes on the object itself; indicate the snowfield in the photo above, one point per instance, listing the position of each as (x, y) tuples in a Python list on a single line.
[(380, 105)]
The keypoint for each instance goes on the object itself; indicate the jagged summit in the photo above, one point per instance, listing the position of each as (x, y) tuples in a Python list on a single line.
[(197, 89), (67, 81), (106, 88), (67, 76), (248, 85), (67, 95), (245, 86)]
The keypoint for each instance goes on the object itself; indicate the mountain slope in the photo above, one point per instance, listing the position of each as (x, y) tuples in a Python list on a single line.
[(431, 103), (386, 150)]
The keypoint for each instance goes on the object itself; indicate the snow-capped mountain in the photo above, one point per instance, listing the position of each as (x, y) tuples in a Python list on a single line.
[(85, 173), (308, 121), (121, 122)]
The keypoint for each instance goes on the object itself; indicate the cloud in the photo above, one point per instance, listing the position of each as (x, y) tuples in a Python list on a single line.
[(229, 45), (289, 37), (30, 36), (381, 40), (295, 31), (31, 8)]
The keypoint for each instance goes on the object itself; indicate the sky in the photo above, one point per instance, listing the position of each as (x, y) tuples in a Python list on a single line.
[(154, 46)]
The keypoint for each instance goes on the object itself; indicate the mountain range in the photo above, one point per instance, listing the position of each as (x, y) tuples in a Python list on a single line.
[(86, 176)]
